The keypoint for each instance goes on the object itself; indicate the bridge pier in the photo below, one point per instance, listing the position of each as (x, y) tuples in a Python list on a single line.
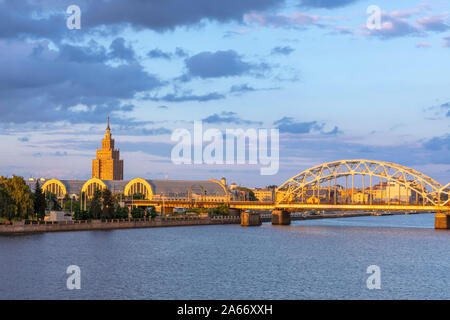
[(165, 210), (250, 219), (442, 220), (282, 217)]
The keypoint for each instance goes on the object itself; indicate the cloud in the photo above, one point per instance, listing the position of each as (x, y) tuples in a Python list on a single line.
[(120, 51), (393, 25), (218, 64), (187, 96), (438, 111), (289, 125), (446, 108), (179, 52), (241, 88), (423, 45), (434, 23), (166, 15), (228, 117), (157, 53), (438, 143), (328, 4), (92, 53), (446, 42), (282, 50), (23, 139), (60, 154), (397, 24), (47, 19), (296, 19), (26, 19), (40, 84)]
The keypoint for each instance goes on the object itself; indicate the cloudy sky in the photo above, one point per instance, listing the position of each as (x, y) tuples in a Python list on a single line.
[(334, 88)]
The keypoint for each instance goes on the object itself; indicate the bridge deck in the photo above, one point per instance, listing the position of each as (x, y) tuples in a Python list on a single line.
[(270, 205)]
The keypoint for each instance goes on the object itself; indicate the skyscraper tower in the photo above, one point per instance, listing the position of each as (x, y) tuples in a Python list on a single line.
[(108, 165)]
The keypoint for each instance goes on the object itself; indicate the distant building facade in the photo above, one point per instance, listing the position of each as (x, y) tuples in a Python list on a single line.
[(107, 165), (264, 194)]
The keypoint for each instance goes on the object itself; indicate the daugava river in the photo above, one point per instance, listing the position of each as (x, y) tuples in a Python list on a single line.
[(314, 259)]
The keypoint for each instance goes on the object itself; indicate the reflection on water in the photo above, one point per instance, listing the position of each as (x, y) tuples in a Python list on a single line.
[(314, 259)]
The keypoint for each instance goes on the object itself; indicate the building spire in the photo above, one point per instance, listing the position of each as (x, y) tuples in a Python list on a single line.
[(107, 128)]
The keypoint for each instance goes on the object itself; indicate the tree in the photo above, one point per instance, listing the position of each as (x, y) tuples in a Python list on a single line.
[(138, 196), (81, 215), (138, 212), (20, 194), (95, 211), (39, 201), (251, 194), (7, 206), (121, 213), (108, 204), (52, 202)]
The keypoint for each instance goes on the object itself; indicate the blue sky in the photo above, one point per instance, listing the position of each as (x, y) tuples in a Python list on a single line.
[(336, 89)]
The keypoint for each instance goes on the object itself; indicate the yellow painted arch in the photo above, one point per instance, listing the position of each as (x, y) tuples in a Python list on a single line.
[(91, 181), (54, 181), (221, 184), (138, 180)]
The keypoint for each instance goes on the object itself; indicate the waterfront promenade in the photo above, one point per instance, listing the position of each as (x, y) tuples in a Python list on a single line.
[(83, 225), (170, 221)]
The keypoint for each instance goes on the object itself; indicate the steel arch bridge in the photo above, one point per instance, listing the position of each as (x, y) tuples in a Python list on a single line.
[(419, 189)]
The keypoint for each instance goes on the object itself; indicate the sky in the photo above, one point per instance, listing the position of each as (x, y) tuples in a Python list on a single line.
[(334, 88)]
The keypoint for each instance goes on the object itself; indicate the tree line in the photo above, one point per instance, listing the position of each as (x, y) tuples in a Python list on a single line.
[(18, 202)]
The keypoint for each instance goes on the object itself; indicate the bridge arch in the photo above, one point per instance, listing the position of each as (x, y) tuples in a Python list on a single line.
[(295, 189), (90, 186), (444, 195), (55, 186)]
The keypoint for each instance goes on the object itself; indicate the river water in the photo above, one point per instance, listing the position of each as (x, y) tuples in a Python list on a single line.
[(314, 259)]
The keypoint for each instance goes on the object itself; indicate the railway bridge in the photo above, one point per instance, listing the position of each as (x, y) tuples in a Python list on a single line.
[(346, 185)]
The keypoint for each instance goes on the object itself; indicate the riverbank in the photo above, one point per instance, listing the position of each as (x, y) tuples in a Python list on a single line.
[(22, 228)]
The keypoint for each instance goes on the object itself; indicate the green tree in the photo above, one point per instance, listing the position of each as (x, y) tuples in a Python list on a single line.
[(52, 202), (95, 211), (121, 213), (39, 201), (7, 207), (251, 194), (108, 204), (21, 196), (221, 210), (81, 215), (138, 196), (138, 212)]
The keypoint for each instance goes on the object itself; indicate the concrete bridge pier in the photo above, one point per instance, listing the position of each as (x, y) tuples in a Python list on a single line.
[(250, 219), (442, 220), (282, 217), (165, 210)]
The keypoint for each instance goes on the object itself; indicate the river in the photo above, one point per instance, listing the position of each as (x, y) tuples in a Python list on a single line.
[(313, 259)]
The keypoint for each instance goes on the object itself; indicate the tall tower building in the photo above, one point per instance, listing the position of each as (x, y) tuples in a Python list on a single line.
[(108, 165)]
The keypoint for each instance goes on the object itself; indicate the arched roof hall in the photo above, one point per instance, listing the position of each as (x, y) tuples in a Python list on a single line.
[(148, 187)]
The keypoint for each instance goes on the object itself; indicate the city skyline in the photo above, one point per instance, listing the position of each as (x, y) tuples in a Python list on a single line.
[(355, 94)]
